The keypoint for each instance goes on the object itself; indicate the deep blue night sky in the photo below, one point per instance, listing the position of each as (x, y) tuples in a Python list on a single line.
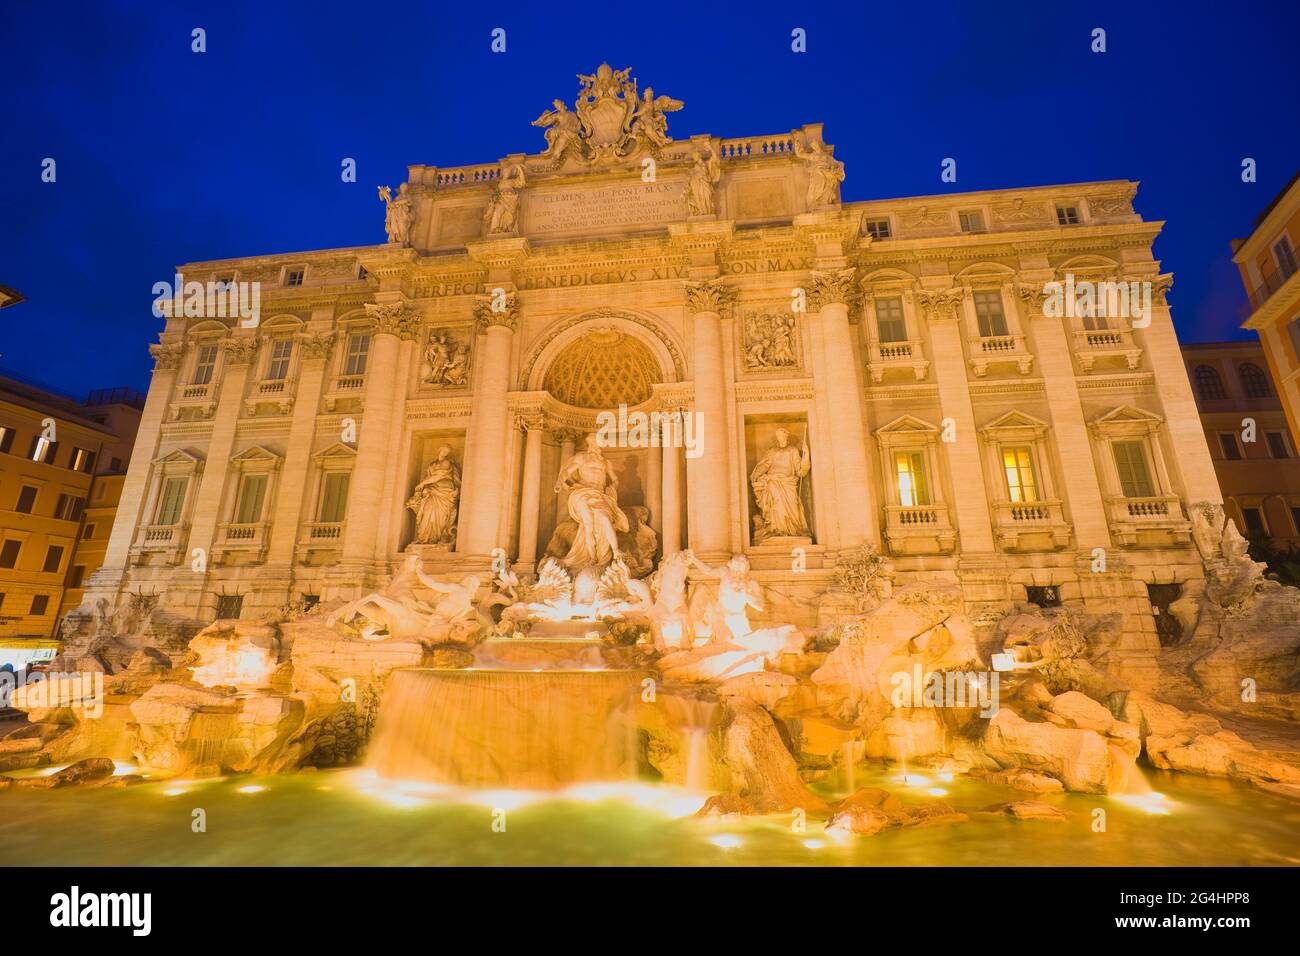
[(166, 156)]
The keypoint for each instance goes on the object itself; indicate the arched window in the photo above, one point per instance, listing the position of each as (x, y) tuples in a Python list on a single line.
[(1253, 380), (1208, 384)]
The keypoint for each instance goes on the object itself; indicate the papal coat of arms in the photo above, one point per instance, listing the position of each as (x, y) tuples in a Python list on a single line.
[(610, 120)]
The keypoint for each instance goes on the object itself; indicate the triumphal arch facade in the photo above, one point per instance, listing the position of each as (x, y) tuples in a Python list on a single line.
[(768, 370)]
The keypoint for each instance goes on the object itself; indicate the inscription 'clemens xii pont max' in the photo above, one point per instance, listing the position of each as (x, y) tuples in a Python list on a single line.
[(602, 207)]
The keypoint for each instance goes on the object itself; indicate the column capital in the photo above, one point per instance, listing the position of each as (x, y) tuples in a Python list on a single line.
[(315, 345), (832, 287), (240, 350), (1034, 297), (394, 318), (708, 295), (499, 308), (166, 355), (941, 304)]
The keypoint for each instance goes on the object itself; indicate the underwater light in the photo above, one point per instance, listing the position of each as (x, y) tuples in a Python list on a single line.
[(937, 792), (252, 788), (726, 841), (813, 844)]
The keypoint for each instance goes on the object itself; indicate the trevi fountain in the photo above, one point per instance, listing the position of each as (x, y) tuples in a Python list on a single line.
[(924, 589)]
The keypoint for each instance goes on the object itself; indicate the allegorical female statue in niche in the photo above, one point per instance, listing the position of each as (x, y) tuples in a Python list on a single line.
[(775, 480), (435, 500)]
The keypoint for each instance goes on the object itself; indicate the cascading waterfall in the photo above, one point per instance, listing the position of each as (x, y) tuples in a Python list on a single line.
[(541, 729), (694, 716)]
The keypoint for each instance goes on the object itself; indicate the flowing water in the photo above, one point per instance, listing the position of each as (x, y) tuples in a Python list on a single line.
[(355, 818), (504, 728)]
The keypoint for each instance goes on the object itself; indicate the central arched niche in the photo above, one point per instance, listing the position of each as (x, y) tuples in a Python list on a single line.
[(602, 369)]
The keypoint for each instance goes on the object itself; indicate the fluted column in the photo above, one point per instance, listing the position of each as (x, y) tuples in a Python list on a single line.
[(671, 494), (135, 486), (238, 353), (530, 497), (709, 474), (366, 487), (485, 474), (393, 497), (831, 294), (568, 442), (291, 493)]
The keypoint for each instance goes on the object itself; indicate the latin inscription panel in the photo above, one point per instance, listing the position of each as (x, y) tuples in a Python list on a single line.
[(602, 208)]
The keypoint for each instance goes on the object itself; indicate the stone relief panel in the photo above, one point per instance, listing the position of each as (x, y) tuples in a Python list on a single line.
[(770, 340), (447, 358)]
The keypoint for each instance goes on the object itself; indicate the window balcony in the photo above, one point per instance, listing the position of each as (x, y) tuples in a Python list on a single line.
[(202, 398), (1266, 290), (886, 356), (1031, 525), (346, 388), (1134, 518), (919, 529), (166, 539), (1093, 344), (988, 351), (320, 536), (243, 537)]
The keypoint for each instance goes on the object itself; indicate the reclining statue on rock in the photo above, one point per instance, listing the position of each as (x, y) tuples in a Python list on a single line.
[(397, 612)]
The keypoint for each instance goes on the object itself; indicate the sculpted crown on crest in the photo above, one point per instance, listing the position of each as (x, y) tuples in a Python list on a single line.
[(610, 120)]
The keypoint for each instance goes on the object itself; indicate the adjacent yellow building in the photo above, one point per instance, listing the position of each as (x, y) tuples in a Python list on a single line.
[(62, 463), (1253, 450), (1267, 259)]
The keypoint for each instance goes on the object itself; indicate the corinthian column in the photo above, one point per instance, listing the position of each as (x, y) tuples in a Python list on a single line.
[(530, 496), (830, 296), (105, 581), (708, 476), (392, 320), (486, 474)]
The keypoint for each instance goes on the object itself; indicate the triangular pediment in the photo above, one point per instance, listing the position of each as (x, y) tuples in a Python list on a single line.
[(179, 457), (335, 450), (907, 423), (1126, 415), (256, 453), (1015, 419)]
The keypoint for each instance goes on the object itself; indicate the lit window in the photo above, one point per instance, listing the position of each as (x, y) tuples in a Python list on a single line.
[(913, 487), (1018, 464), (205, 363), (1228, 442), (1067, 215), (889, 319), (358, 351), (43, 449), (82, 460), (334, 497), (281, 351), (251, 492), (971, 221), (878, 228), (989, 314), (1134, 474), (173, 496)]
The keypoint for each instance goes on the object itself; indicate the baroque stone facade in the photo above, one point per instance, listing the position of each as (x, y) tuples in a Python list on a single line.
[(953, 421)]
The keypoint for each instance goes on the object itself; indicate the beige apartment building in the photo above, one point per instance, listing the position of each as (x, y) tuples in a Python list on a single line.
[(62, 464), (945, 410), (1267, 259), (1253, 449)]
